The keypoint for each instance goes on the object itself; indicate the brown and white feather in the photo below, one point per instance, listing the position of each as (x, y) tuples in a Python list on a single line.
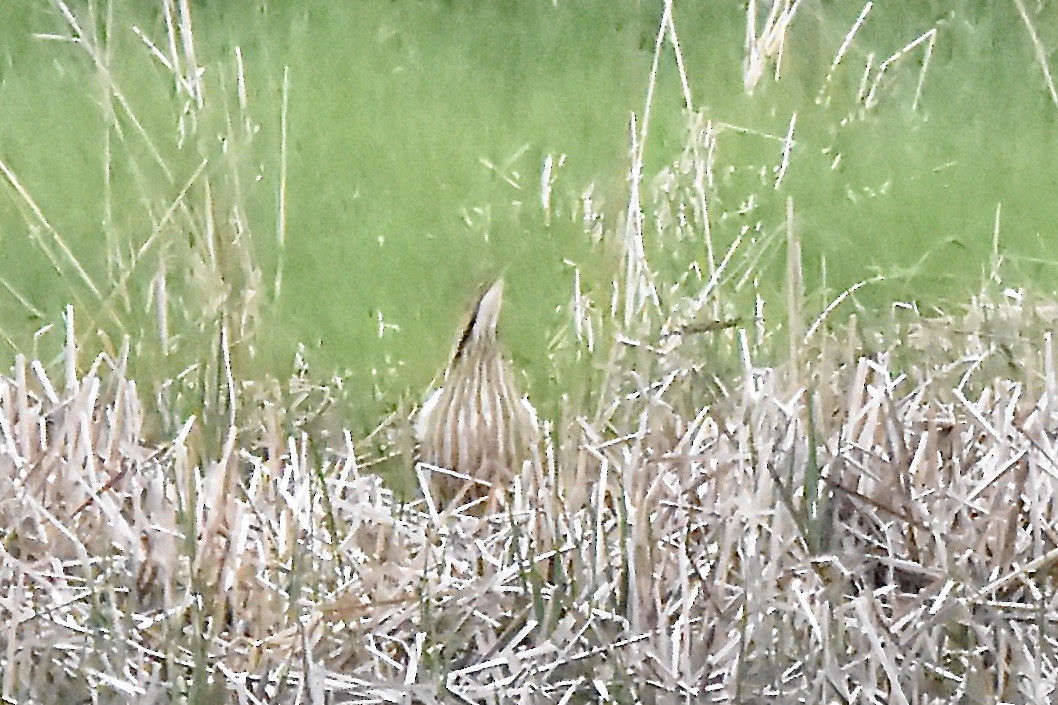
[(477, 424)]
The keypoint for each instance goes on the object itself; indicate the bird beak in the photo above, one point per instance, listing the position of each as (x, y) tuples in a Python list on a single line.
[(487, 313), (482, 325)]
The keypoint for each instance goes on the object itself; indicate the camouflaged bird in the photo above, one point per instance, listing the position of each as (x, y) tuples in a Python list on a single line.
[(477, 425)]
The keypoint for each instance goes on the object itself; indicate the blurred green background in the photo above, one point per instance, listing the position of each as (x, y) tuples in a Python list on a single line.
[(418, 132)]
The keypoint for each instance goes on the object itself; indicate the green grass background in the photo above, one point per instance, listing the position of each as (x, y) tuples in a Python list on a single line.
[(398, 109)]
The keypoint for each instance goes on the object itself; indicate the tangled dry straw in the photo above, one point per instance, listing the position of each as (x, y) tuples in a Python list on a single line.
[(849, 531), (871, 520)]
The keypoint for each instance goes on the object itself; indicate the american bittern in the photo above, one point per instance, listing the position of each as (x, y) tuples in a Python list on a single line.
[(477, 425)]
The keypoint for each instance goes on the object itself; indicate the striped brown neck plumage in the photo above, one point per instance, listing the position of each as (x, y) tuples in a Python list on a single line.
[(477, 424)]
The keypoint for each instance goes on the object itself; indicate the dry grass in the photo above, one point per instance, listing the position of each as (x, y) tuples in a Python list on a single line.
[(844, 532), (869, 518)]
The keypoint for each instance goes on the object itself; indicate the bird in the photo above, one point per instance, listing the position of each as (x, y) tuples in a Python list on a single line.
[(476, 430)]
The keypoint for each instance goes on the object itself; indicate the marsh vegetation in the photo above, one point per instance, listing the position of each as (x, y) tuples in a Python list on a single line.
[(787, 327)]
